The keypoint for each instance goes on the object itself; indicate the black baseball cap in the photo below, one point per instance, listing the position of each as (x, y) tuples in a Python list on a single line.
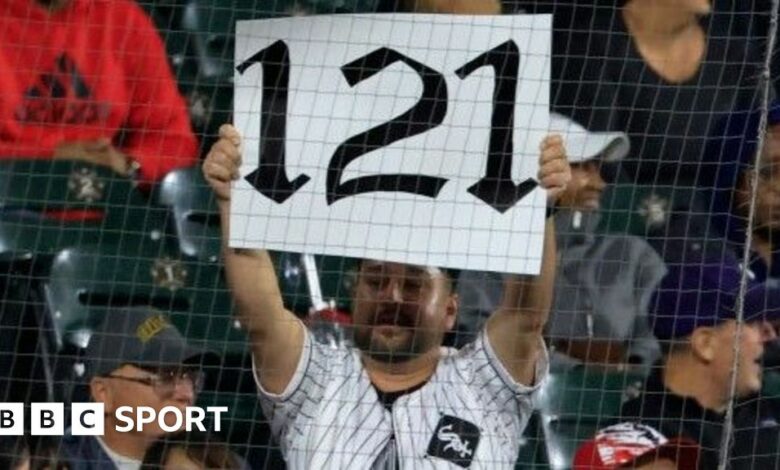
[(143, 337)]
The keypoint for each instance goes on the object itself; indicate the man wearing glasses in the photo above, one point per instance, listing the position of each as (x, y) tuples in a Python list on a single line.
[(135, 358)]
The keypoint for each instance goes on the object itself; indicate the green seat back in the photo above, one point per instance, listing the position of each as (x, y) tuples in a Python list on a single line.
[(84, 282), (643, 210), (196, 229), (575, 403), (31, 189)]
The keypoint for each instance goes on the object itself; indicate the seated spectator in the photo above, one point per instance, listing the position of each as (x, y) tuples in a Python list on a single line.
[(693, 313), (134, 358), (190, 451), (731, 200), (669, 73), (90, 80), (637, 446), (732, 194), (604, 282)]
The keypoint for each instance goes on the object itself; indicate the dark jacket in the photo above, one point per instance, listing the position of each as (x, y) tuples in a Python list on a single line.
[(85, 453), (756, 434), (742, 146)]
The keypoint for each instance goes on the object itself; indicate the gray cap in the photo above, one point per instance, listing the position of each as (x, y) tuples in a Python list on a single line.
[(140, 336)]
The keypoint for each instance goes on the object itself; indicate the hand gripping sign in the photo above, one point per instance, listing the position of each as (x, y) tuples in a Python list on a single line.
[(408, 138)]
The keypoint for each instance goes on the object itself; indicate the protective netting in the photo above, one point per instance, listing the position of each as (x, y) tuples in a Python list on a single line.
[(665, 300)]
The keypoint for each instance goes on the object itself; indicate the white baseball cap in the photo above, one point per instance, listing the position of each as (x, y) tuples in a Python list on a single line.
[(583, 145)]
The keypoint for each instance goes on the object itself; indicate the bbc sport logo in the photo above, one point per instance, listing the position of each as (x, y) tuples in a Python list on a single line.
[(88, 419)]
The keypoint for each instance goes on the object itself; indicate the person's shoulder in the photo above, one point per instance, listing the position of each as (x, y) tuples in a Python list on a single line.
[(81, 452), (130, 12)]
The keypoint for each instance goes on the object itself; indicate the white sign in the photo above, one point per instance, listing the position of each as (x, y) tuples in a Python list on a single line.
[(408, 138)]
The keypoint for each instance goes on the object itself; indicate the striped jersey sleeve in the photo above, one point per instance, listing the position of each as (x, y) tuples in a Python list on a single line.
[(494, 385), (302, 394)]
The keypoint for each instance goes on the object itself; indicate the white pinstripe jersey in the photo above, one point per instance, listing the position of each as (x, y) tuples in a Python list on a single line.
[(330, 415)]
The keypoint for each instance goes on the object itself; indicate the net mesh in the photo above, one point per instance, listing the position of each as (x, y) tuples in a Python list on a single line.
[(667, 259)]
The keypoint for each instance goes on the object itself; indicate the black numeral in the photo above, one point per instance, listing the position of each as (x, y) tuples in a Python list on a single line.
[(496, 188), (427, 114), (270, 178)]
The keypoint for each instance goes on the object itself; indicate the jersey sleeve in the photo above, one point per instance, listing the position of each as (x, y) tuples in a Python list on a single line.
[(304, 391), (494, 385)]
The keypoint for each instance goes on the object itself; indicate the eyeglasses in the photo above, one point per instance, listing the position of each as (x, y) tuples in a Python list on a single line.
[(164, 381)]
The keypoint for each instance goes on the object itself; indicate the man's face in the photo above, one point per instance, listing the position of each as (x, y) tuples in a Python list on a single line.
[(751, 349), (132, 386), (401, 311), (584, 191), (768, 193)]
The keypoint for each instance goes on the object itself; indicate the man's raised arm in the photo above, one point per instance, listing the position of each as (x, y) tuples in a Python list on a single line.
[(276, 335), (515, 329)]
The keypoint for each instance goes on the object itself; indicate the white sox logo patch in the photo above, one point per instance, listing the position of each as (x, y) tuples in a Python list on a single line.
[(455, 440)]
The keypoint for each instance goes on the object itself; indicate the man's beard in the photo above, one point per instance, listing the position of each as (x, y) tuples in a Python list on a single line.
[(403, 352), (415, 343)]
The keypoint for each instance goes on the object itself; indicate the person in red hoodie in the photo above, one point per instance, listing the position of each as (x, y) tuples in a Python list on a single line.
[(90, 80)]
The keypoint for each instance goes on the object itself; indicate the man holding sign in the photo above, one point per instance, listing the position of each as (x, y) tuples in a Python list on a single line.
[(400, 400)]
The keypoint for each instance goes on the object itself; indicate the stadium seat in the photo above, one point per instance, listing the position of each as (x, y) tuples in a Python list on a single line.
[(194, 214), (212, 28), (84, 282), (575, 403), (645, 211), (212, 25), (196, 229), (48, 205)]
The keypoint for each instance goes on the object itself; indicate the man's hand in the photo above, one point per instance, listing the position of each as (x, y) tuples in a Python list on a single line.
[(99, 152), (276, 334), (515, 329), (223, 161), (554, 169)]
